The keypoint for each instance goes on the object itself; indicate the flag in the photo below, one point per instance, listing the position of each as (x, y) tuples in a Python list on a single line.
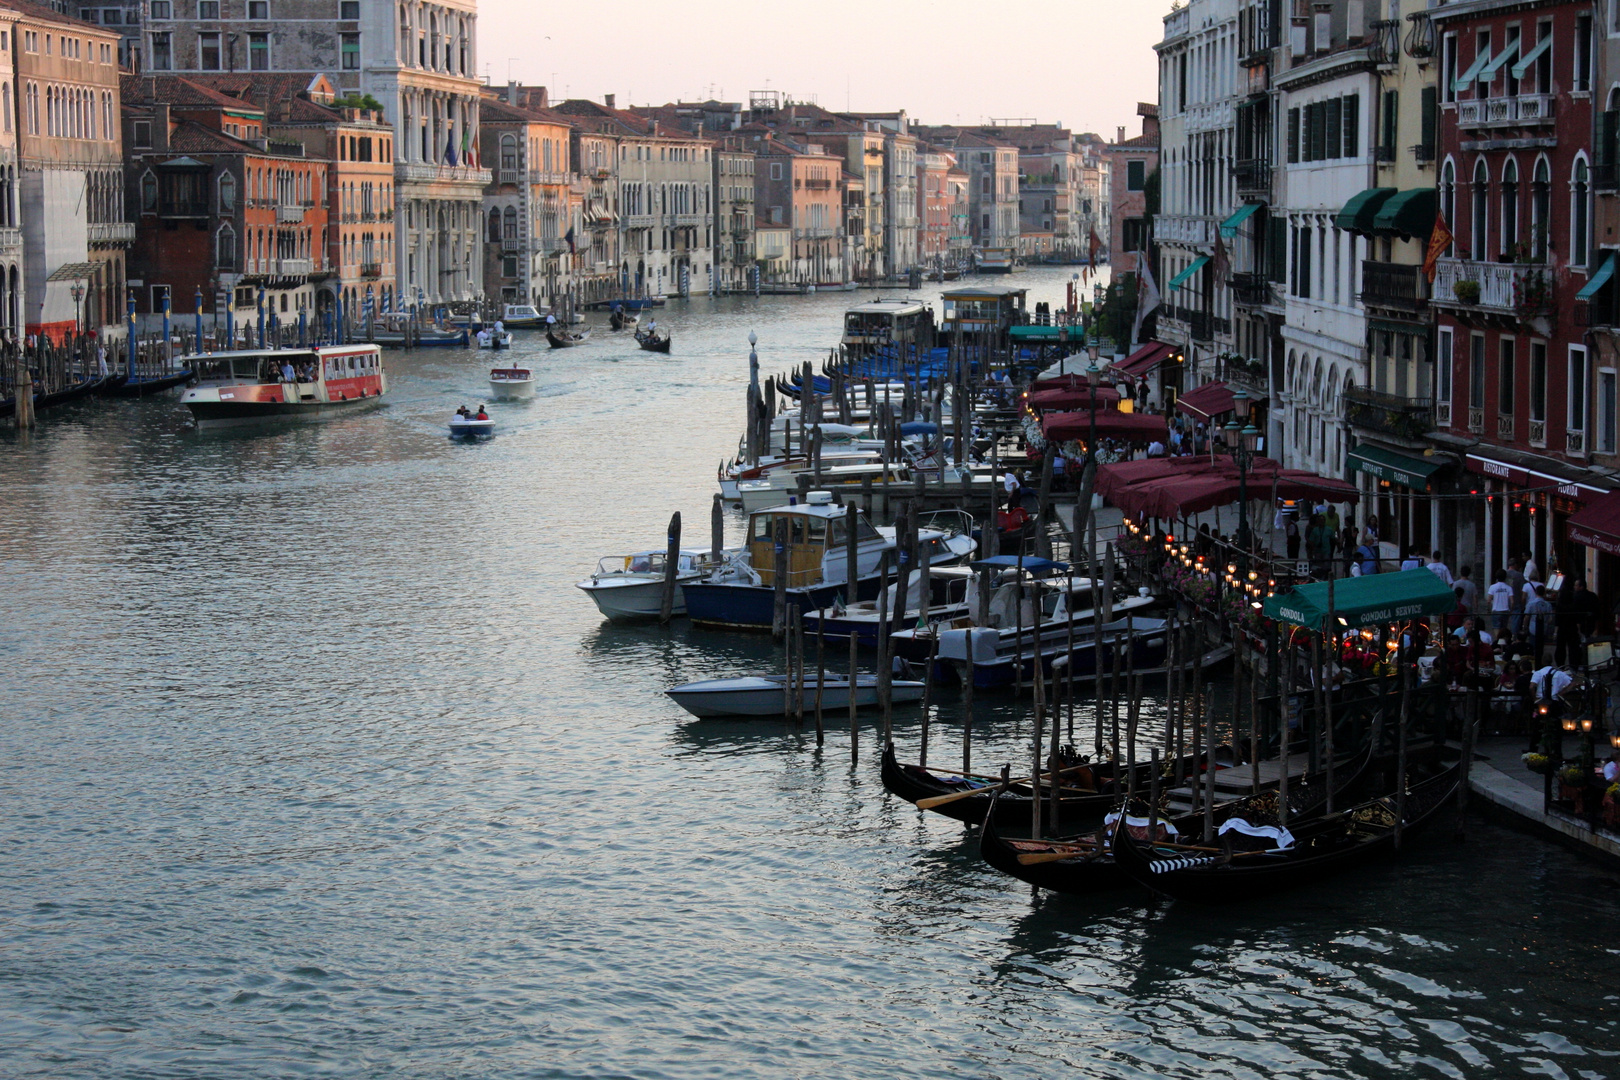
[(1096, 246), (1147, 296), (466, 144), (1439, 240), (1222, 262), (450, 149), (570, 238)]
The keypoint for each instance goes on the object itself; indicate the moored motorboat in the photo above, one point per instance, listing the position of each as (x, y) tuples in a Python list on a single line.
[(496, 339), (772, 695), (523, 317), (629, 587), (251, 386), (511, 382)]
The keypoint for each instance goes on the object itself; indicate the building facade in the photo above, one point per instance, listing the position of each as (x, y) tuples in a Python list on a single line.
[(1131, 162), (12, 289), (734, 211), (528, 207)]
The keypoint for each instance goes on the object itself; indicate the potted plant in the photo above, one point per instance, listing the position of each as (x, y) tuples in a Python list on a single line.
[(1572, 787), (1466, 291), (1537, 763), (1611, 806)]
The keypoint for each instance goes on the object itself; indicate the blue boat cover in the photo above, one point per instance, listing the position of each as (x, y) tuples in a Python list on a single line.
[(1029, 563)]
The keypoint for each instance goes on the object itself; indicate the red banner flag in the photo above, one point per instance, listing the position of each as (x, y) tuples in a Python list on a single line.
[(1439, 240)]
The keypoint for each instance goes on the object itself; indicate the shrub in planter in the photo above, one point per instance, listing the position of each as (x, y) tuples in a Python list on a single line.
[(1466, 291), (1537, 763)]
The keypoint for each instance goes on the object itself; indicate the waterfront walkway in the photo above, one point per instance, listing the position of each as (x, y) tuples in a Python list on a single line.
[(1500, 778)]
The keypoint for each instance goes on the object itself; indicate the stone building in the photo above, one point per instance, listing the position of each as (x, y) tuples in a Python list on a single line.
[(11, 246), (418, 61), (531, 224), (1130, 162), (734, 212)]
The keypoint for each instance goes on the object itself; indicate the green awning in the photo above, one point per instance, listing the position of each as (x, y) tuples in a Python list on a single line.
[(1599, 279), (1468, 77), (1410, 213), (1488, 72), (1052, 334), (1531, 57), (1358, 213), (1181, 279), (1396, 468), (1229, 227), (1364, 601)]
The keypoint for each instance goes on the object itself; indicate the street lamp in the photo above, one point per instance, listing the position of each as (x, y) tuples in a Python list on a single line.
[(1239, 435), (77, 289)]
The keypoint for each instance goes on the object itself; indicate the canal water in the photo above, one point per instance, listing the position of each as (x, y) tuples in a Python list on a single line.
[(313, 762)]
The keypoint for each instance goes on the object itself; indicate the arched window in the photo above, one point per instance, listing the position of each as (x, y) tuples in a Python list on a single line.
[(509, 230), (1479, 240), (1540, 209), (1510, 207), (5, 103), (494, 226), (1448, 196), (509, 153), (227, 193), (149, 193), (1580, 204), (225, 248)]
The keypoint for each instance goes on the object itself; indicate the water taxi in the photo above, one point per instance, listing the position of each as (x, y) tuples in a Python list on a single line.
[(523, 317), (253, 386), (883, 323)]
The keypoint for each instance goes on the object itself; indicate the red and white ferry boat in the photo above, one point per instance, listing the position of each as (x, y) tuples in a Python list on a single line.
[(254, 386)]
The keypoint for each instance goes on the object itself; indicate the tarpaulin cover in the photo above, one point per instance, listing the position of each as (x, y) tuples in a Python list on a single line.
[(1207, 401), (1598, 524), (1365, 601), (1145, 359), (1076, 399)]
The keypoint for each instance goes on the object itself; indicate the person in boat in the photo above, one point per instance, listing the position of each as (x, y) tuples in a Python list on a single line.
[(463, 414), (482, 415), (287, 373), (484, 338), (652, 328)]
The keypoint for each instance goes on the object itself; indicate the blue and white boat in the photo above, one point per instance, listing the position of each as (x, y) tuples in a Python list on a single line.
[(742, 594)]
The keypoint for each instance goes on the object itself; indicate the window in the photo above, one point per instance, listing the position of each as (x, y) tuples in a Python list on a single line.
[(1504, 376), (1135, 175), (1580, 205), (227, 193), (160, 9), (349, 10), (162, 57), (258, 9), (1576, 391), (1510, 207), (776, 170), (509, 266), (208, 9), (149, 194), (1480, 197), (1606, 411), (1476, 372), (1540, 210), (351, 51), (1538, 380), (5, 108), (225, 248), (1442, 366), (1583, 53), (1544, 62), (141, 132), (259, 52), (208, 51)]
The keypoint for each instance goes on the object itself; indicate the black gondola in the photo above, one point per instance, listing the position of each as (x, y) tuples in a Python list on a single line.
[(1091, 866), (562, 339), (1247, 867), (620, 319), (81, 389), (652, 341), (141, 387)]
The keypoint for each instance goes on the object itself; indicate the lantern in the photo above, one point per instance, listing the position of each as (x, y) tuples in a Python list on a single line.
[(1569, 723)]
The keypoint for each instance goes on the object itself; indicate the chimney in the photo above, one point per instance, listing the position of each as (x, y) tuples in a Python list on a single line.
[(511, 92), (1121, 137), (607, 99)]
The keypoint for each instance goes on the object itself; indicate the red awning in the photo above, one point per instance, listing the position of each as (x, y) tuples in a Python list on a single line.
[(1070, 381), (1145, 359), (1206, 402), (1110, 424), (1073, 399), (1185, 491), (1598, 525), (1123, 474)]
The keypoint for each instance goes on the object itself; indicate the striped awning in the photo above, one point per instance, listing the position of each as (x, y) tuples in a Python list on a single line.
[(1196, 265)]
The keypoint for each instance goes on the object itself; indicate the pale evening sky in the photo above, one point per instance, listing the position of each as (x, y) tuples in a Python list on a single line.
[(1084, 63)]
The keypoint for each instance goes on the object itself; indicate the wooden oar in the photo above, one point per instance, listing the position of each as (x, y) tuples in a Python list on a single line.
[(940, 800)]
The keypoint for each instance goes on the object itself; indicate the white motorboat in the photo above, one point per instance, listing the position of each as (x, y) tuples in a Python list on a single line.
[(511, 382), (468, 427), (523, 317), (496, 339), (628, 587), (769, 695)]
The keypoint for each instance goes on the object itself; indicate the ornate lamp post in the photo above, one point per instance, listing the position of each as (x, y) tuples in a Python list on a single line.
[(1239, 435), (77, 289)]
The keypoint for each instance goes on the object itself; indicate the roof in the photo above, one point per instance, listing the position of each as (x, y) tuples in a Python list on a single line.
[(1368, 600), (495, 110), (45, 14)]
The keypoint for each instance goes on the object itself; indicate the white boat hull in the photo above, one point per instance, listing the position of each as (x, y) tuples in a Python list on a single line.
[(635, 599), (766, 695), (511, 388)]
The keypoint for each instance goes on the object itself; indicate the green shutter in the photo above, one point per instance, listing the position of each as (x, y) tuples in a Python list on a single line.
[(1333, 133), (1277, 236), (1352, 126), (1293, 136), (1431, 97), (1319, 143), (1389, 124)]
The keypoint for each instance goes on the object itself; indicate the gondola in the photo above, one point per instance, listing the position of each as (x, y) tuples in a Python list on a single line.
[(1241, 866), (653, 342), (620, 319), (141, 387), (81, 389), (562, 339), (1090, 866), (1089, 790)]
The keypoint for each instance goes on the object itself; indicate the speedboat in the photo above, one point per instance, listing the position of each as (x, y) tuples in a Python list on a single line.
[(252, 386), (511, 382), (468, 427), (771, 695), (627, 587), (742, 593), (494, 339)]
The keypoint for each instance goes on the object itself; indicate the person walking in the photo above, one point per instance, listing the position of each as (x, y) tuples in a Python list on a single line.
[(1538, 614), (1470, 591), (1500, 595), (1291, 535), (1438, 567)]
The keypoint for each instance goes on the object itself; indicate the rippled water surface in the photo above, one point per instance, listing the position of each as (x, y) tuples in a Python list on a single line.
[(314, 762)]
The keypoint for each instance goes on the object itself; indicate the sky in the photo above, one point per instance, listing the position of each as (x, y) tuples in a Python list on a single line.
[(1082, 63)]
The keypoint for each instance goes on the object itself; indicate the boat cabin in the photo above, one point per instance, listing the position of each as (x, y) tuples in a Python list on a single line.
[(984, 308), (884, 322), (270, 366), (817, 543)]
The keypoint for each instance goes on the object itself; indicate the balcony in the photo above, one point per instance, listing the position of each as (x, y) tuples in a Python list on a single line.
[(1538, 433), (11, 239), (1251, 290), (278, 267), (511, 243), (289, 215), (818, 185), (1394, 285), (441, 174), (1253, 177), (1391, 414), (1185, 231), (511, 176), (101, 232), (1517, 289), (691, 221), (371, 270), (540, 177), (1526, 110), (640, 221)]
